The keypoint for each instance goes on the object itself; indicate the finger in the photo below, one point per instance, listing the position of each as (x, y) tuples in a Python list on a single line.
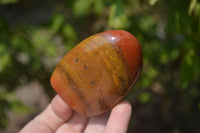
[(75, 124), (96, 124), (51, 118), (56, 113), (119, 118)]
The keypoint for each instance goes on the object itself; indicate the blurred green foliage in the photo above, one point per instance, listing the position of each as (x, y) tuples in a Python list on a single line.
[(5, 2), (168, 30)]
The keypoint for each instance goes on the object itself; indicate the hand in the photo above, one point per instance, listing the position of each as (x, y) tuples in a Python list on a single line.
[(60, 118)]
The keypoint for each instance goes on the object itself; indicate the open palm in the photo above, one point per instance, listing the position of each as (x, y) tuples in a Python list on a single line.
[(60, 118)]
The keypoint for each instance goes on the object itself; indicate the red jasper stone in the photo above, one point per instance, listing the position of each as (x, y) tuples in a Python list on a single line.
[(96, 74)]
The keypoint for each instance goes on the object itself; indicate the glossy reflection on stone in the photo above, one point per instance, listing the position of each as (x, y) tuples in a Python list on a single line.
[(98, 72)]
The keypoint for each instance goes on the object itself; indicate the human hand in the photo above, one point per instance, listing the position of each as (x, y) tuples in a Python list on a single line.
[(60, 118)]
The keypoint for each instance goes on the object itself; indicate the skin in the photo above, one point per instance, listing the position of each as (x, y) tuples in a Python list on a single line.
[(58, 117)]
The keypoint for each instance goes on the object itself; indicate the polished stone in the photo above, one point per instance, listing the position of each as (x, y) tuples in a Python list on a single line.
[(96, 74)]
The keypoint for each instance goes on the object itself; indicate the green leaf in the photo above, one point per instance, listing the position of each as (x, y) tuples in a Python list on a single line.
[(164, 57), (57, 22), (5, 2), (13, 104), (152, 2), (51, 50), (5, 58), (146, 23), (98, 6), (40, 38), (197, 9), (8, 96), (178, 17), (19, 108), (174, 54), (69, 32), (20, 44), (42, 42), (3, 119), (148, 74), (70, 35), (189, 68), (168, 55), (117, 15), (82, 7), (192, 6), (144, 97)]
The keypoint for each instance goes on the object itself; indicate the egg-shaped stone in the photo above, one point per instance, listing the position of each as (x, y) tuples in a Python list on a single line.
[(97, 73)]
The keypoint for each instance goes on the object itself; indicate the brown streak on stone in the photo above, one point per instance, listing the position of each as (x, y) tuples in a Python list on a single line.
[(102, 103), (93, 83), (85, 67), (74, 86), (75, 60)]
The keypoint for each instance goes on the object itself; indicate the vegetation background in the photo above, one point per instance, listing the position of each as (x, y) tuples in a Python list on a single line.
[(35, 34)]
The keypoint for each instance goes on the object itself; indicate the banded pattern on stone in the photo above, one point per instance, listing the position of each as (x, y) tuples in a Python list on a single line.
[(98, 72)]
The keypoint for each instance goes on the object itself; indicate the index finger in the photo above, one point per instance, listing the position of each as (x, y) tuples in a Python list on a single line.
[(56, 113), (119, 118)]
